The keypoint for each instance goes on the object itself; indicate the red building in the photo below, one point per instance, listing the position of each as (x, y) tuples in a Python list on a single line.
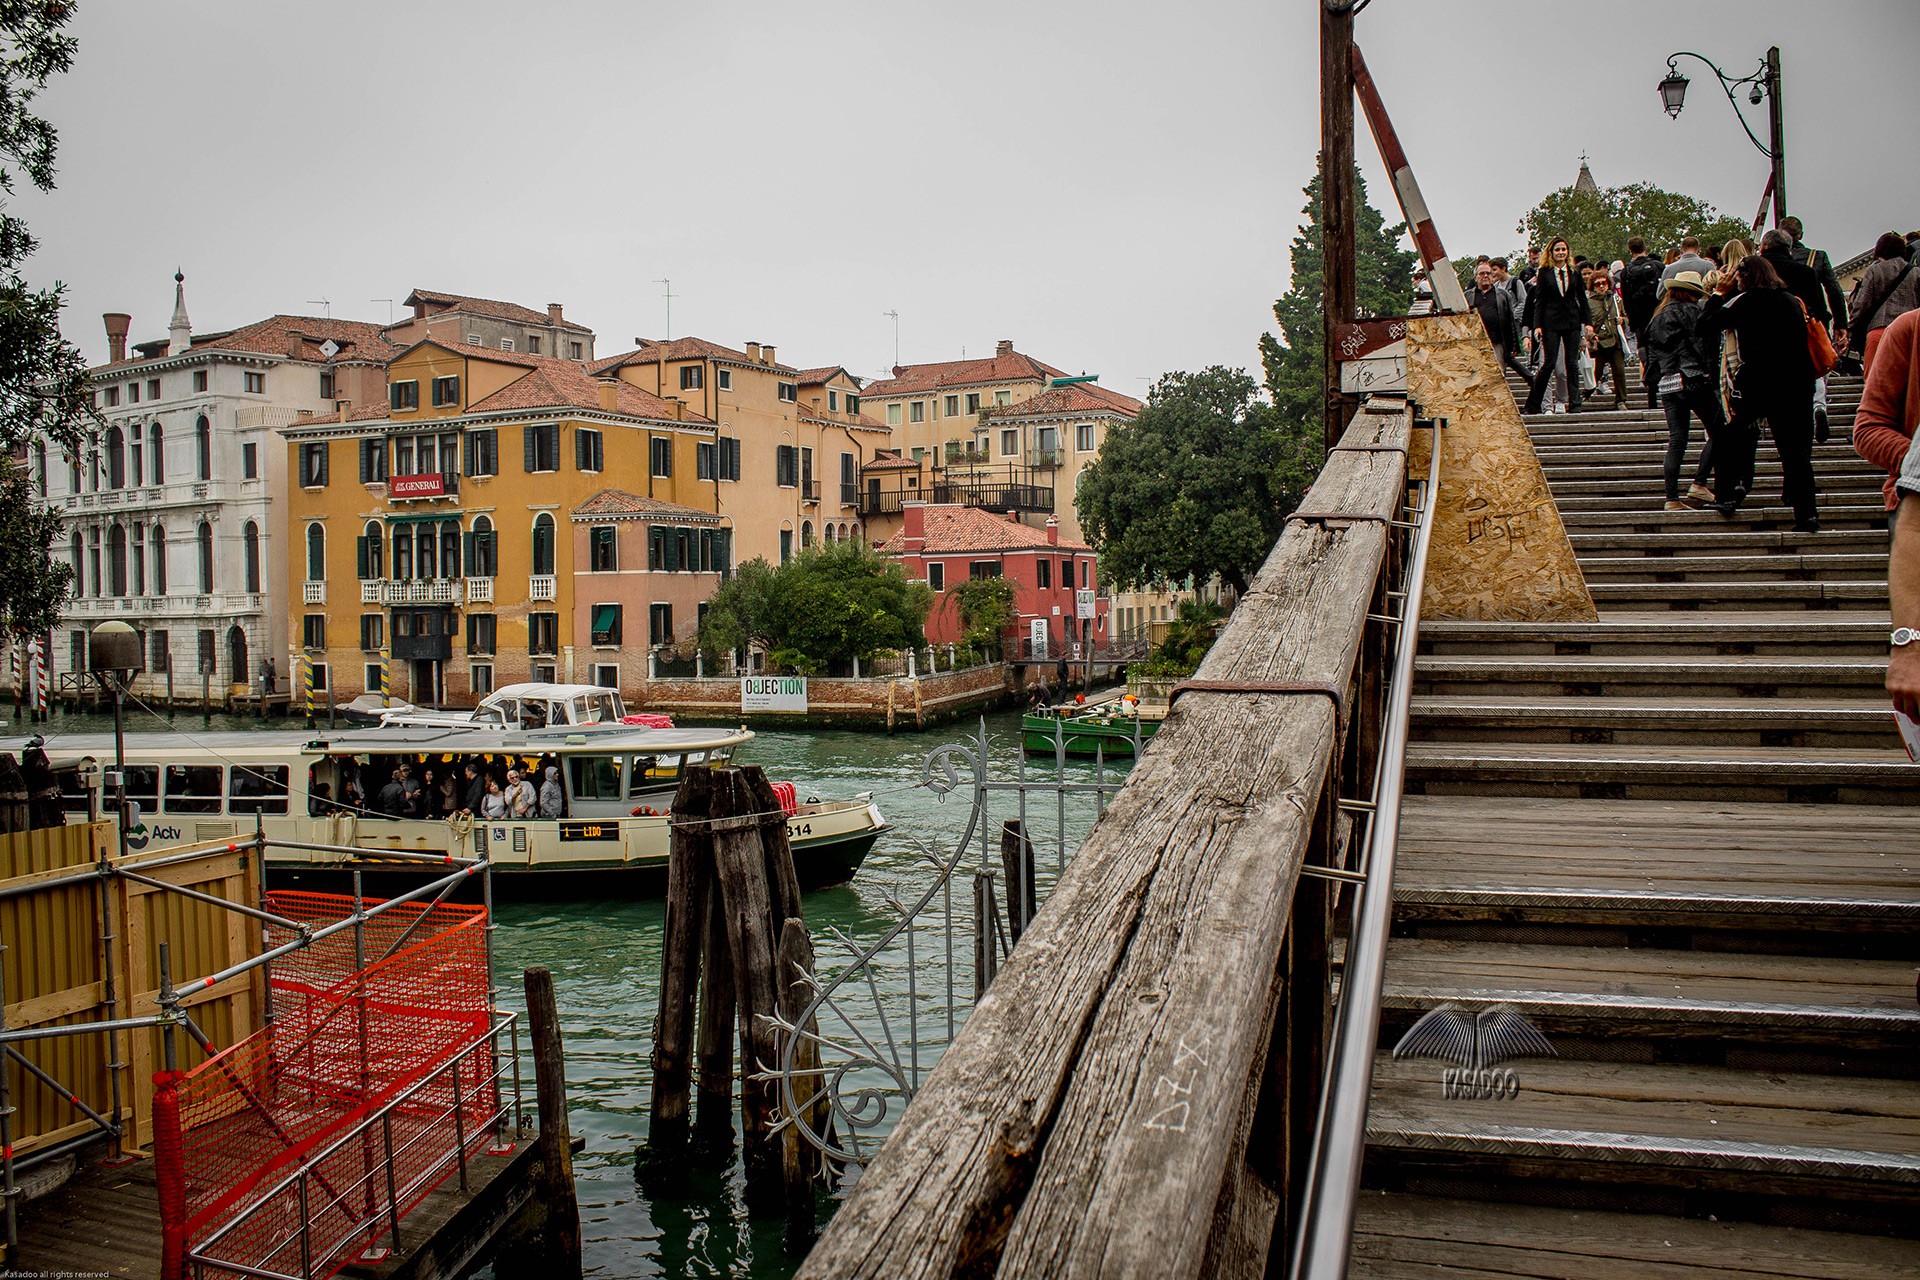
[(948, 544)]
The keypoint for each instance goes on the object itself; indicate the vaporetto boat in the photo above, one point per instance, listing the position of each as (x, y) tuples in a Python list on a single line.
[(610, 839)]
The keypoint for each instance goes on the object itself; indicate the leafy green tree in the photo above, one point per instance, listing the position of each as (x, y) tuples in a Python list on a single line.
[(1598, 223), (826, 605), (1383, 287), (43, 378), (986, 611), (740, 614), (1187, 489)]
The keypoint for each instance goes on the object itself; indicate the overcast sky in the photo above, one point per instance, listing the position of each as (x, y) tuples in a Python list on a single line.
[(1113, 185)]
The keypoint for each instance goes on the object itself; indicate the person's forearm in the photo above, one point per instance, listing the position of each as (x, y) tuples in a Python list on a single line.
[(1903, 591)]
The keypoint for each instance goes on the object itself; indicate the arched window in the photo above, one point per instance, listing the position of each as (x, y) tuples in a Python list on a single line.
[(135, 476), (251, 536), (203, 444), (93, 560), (374, 567), (806, 533), (237, 654), (159, 560), (316, 552), (73, 473), (826, 535), (40, 467), (93, 463), (79, 566), (450, 549), (156, 453), (485, 558), (423, 547), (139, 574), (403, 553), (543, 545), (117, 561), (116, 459), (206, 558)]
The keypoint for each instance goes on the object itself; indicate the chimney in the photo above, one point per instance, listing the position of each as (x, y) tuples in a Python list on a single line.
[(1053, 531), (609, 395), (344, 408), (913, 529), (118, 322), (296, 346), (766, 354), (1004, 347), (677, 407), (553, 313), (753, 352)]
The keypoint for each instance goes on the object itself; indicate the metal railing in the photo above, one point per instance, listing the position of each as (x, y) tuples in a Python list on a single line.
[(542, 587), (1340, 1141), (379, 1191)]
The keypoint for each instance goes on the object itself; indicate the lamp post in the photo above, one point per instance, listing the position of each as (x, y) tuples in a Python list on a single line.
[(1764, 83), (114, 656)]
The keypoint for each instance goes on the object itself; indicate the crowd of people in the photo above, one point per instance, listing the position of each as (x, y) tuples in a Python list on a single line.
[(1739, 336), (481, 788)]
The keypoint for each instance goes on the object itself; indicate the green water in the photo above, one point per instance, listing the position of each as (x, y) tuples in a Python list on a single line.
[(605, 960)]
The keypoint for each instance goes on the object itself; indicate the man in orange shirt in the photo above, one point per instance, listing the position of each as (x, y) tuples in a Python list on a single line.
[(1890, 404)]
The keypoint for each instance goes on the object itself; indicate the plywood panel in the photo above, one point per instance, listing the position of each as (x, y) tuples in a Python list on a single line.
[(1499, 551)]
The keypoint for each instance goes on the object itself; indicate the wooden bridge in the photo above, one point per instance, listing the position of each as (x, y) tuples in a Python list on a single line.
[(1676, 838)]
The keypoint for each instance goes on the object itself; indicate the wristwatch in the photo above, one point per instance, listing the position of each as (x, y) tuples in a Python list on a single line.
[(1903, 636)]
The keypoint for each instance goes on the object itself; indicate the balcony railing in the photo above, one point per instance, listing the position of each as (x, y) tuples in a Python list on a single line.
[(422, 591), (313, 592), (479, 590), (370, 591), (1047, 458), (543, 587), (809, 491), (960, 453)]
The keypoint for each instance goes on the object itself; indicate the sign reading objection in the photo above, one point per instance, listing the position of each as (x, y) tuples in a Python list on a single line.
[(773, 693)]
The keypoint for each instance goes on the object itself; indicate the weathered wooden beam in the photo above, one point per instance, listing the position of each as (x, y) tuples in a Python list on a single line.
[(689, 877), (560, 1243), (1091, 1114)]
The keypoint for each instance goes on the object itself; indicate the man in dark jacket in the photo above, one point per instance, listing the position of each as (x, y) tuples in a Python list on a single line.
[(1496, 313), (1558, 317), (1817, 261), (476, 789), (392, 800), (1640, 294)]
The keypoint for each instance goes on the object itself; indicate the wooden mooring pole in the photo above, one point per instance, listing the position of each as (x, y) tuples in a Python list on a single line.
[(558, 1237)]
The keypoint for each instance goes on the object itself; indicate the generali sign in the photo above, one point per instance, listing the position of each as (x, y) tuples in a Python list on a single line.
[(433, 486)]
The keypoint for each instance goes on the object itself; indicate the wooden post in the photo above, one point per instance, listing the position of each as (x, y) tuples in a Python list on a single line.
[(741, 870), (986, 925), (799, 1159), (1337, 303), (561, 1243), (713, 1121), (1016, 860), (689, 880)]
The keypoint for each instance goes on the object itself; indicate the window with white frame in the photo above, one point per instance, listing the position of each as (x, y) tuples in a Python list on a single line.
[(1083, 438)]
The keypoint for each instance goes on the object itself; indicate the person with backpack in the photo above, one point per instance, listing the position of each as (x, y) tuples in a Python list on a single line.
[(1888, 289), (1639, 295), (1678, 359)]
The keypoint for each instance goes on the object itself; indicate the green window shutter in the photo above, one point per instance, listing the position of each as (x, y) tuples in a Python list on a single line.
[(468, 555), (361, 557), (528, 438)]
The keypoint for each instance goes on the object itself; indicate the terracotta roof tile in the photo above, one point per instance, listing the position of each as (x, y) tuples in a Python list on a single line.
[(952, 529), (891, 460), (358, 339), (1079, 397), (815, 377), (649, 352), (609, 503), (564, 384), (1012, 367), (489, 307)]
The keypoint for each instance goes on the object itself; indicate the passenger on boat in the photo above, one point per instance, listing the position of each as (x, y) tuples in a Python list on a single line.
[(476, 789), (494, 807), (415, 796), (393, 796), (552, 800), (521, 800), (447, 798)]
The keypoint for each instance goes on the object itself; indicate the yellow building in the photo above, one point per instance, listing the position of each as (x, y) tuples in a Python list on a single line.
[(930, 406), (502, 517), (789, 442)]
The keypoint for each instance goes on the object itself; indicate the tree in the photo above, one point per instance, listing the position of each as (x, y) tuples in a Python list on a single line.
[(1383, 287), (43, 379), (1598, 223), (986, 610), (1186, 489), (740, 614), (826, 605)]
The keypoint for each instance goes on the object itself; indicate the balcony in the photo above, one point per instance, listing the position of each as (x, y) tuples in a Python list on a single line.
[(313, 592), (810, 491), (421, 591), (479, 590), (1047, 459), (1010, 488), (849, 495), (370, 591), (961, 454), (543, 587)]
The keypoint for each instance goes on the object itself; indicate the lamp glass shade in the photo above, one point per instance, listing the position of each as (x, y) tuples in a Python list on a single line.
[(1673, 92)]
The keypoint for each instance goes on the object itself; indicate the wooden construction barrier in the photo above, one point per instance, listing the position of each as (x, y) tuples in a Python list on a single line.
[(1136, 1092)]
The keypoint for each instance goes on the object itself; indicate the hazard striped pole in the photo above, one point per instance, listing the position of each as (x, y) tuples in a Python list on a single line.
[(1440, 273), (306, 677), (386, 657), (39, 678)]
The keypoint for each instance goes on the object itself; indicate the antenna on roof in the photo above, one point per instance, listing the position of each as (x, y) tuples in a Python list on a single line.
[(668, 335), (321, 302), (389, 302), (895, 317)]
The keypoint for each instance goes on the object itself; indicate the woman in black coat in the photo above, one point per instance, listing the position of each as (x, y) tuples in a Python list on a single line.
[(1685, 369), (1776, 378)]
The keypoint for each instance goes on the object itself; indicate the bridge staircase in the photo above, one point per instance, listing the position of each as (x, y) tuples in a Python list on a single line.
[(1684, 843)]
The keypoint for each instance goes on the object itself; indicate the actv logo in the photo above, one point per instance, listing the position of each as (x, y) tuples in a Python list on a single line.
[(1477, 1041)]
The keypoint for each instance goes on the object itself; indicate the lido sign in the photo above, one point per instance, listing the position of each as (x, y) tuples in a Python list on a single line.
[(773, 693)]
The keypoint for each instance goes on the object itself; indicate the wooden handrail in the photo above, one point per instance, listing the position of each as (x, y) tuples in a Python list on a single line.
[(1135, 1092)]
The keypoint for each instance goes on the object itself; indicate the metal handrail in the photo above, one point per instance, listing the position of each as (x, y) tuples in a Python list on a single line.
[(1333, 1174)]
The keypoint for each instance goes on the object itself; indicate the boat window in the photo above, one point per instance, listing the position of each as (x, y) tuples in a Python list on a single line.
[(73, 793), (533, 715), (719, 756), (602, 708), (258, 788), (595, 777), (651, 773), (695, 757), (193, 788), (580, 713), (489, 715), (143, 785)]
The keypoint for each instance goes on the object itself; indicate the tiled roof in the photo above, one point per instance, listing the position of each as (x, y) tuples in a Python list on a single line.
[(1012, 367), (951, 529), (489, 307), (826, 373), (684, 349), (610, 503), (1079, 397), (890, 460), (358, 340)]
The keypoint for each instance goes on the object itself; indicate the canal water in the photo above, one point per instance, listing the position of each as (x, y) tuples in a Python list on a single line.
[(605, 960)]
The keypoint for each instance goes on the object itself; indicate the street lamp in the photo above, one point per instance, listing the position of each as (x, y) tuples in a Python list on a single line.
[(1763, 83)]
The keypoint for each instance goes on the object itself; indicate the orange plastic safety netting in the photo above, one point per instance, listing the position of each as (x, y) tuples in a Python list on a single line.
[(300, 1144)]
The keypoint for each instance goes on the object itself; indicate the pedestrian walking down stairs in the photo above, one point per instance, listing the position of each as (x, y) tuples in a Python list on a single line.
[(1682, 843)]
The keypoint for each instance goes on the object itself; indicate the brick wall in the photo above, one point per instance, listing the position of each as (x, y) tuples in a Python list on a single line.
[(891, 702)]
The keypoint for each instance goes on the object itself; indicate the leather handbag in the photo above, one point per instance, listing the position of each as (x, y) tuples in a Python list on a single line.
[(1819, 345)]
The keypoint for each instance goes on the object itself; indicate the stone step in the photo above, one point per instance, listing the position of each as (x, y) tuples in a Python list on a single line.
[(1839, 417), (1578, 515), (1634, 500), (1400, 1236), (1781, 634), (1687, 675), (1857, 721), (1830, 1015), (1827, 775), (1648, 488), (1855, 472), (1690, 1140), (1721, 595), (1677, 546), (1782, 566)]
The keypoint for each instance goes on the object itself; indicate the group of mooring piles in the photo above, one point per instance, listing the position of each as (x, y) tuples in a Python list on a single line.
[(737, 960)]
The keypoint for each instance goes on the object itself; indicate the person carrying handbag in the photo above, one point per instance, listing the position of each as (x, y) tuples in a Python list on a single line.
[(1888, 289), (1608, 351)]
